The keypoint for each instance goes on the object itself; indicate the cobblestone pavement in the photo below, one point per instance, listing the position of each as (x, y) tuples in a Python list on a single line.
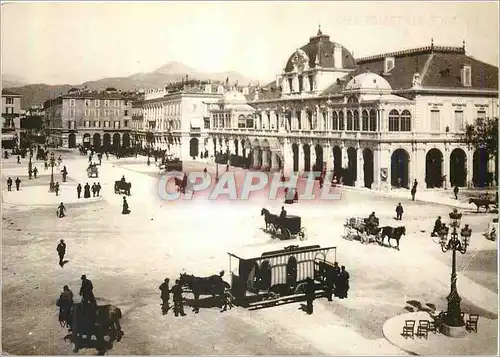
[(127, 257)]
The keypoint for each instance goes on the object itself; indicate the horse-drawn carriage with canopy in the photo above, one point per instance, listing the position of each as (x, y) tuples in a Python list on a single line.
[(365, 230), (276, 277), (92, 171), (284, 228)]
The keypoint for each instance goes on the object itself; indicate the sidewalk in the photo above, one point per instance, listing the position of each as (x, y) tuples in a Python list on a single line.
[(484, 342), (40, 196)]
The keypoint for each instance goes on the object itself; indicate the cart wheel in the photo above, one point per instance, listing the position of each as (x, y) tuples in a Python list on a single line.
[(302, 234), (286, 233)]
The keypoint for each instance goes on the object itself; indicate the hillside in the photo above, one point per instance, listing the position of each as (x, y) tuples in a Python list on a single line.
[(35, 94)]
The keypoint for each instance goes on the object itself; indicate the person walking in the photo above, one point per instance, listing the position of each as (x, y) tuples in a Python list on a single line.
[(79, 190), (399, 212), (18, 159), (86, 190), (30, 174), (64, 173), (35, 171), (87, 291), (18, 183), (344, 281), (455, 191), (60, 210), (65, 304), (94, 189), (45, 164), (310, 295), (329, 283), (61, 251), (9, 184), (165, 296), (56, 188), (125, 209), (98, 189), (177, 297), (414, 190)]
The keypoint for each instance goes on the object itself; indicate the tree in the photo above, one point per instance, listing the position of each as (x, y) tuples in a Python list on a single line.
[(483, 134)]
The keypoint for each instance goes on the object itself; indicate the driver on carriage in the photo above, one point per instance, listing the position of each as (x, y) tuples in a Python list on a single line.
[(372, 222), (123, 179)]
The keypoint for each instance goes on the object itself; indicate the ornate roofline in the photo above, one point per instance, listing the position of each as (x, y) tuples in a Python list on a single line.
[(426, 49)]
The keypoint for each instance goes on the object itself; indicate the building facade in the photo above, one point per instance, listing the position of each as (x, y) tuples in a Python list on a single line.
[(90, 118), (11, 118), (173, 118), (375, 122)]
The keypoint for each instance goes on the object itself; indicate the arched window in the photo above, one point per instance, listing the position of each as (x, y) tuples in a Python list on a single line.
[(349, 120), (341, 121), (356, 120), (405, 121), (326, 125), (241, 121), (373, 120), (364, 120), (393, 120), (250, 122), (335, 121)]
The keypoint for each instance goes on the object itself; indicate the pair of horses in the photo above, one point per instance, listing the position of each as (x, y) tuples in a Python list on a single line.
[(212, 285), (86, 320)]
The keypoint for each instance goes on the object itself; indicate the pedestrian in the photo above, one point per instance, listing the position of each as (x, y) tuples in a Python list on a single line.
[(18, 182), (310, 295), (64, 173), (455, 191), (413, 192), (177, 297), (344, 281), (86, 190), (125, 209), (35, 171), (107, 156), (59, 161), (18, 159), (329, 283), (60, 210), (94, 189), (227, 300), (98, 188), (56, 188), (61, 250), (399, 212), (9, 184), (46, 164), (165, 296), (30, 173), (65, 304), (336, 272), (79, 190), (86, 291)]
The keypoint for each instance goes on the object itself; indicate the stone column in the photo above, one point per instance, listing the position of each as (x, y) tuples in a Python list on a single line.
[(232, 149), (301, 158), (287, 158), (313, 156), (265, 166), (274, 161), (255, 159), (303, 120), (446, 168), (210, 146), (360, 174), (376, 169), (419, 168), (470, 166)]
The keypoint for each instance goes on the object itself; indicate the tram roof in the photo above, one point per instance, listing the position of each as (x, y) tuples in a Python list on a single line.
[(293, 249)]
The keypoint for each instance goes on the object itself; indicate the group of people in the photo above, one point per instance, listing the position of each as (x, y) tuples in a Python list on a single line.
[(176, 292), (337, 282), (96, 189), (9, 184), (65, 301)]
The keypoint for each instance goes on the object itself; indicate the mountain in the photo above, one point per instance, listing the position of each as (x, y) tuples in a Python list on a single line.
[(170, 72), (10, 80)]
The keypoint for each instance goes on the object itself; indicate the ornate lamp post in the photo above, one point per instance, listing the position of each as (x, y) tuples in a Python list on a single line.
[(452, 319), (52, 163), (217, 157)]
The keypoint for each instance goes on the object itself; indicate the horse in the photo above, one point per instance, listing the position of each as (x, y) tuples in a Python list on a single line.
[(269, 218), (123, 186), (101, 321), (482, 202), (211, 285), (391, 233)]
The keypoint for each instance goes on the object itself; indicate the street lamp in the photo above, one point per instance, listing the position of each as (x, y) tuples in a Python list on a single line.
[(217, 157), (452, 317), (52, 163)]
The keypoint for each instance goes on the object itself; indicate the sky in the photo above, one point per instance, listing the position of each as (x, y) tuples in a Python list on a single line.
[(62, 42)]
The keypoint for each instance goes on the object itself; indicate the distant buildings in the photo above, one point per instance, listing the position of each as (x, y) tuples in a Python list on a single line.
[(11, 118), (87, 118)]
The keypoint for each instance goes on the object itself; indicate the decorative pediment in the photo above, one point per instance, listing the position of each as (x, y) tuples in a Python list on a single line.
[(300, 60), (353, 99)]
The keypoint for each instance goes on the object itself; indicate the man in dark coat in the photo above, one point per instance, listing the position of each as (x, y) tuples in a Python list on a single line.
[(56, 188), (79, 190), (60, 210), (310, 295), (177, 297), (399, 212), (455, 191), (86, 190), (65, 303), (165, 296), (329, 283), (125, 209), (86, 291), (64, 173), (61, 250), (30, 174), (344, 282), (98, 188), (18, 182), (9, 184), (18, 159), (94, 189), (35, 171), (336, 272), (413, 192)]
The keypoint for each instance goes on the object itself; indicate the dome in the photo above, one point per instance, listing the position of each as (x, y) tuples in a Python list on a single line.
[(320, 48), (368, 81), (233, 96)]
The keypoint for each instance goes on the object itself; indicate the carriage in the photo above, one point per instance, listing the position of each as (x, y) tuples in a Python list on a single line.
[(276, 277), (92, 171), (359, 228), (290, 228), (169, 163)]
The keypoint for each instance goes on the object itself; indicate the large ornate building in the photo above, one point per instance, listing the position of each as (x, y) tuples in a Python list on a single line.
[(376, 122)]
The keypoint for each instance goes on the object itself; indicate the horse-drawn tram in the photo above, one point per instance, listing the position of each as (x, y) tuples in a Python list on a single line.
[(277, 277)]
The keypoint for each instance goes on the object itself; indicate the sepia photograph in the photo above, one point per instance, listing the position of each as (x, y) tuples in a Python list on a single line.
[(249, 178)]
